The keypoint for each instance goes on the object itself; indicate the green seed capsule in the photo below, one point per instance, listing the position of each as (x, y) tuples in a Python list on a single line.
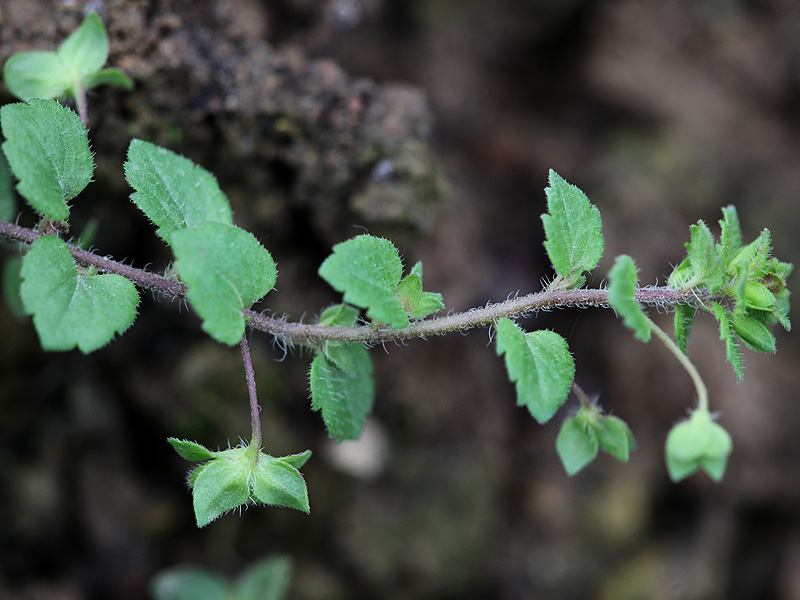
[(758, 296), (753, 332)]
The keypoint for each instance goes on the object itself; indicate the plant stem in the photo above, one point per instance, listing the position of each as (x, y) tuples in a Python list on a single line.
[(581, 395), (255, 416), (80, 103), (302, 332), (699, 384)]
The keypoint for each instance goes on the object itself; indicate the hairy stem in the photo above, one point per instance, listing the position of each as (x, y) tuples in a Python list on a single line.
[(255, 416), (302, 332), (699, 384)]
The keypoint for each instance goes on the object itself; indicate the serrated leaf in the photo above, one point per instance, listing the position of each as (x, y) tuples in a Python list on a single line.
[(225, 270), (540, 365), (110, 76), (703, 257), (190, 450), (730, 239), (189, 583), (48, 150), (573, 230), (367, 270), (172, 191), (296, 460), (614, 437), (621, 289), (683, 319), (86, 48), (35, 75), (417, 304), (732, 351), (277, 483), (220, 486), (70, 309), (8, 203), (576, 445), (269, 579), (344, 397)]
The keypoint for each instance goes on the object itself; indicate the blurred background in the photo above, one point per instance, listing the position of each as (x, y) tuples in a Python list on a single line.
[(433, 122)]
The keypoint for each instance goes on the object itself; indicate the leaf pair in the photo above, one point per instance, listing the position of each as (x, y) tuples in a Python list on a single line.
[(267, 579), (368, 271), (224, 267), (232, 478), (48, 151), (75, 66), (584, 434)]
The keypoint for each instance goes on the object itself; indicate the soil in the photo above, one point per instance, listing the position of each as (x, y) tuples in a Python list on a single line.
[(433, 123)]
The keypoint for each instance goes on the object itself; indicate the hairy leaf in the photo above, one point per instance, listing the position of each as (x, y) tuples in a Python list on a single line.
[(683, 319), (576, 445), (48, 150), (345, 397), (225, 270), (190, 450), (697, 443), (730, 238), (172, 191), (71, 309), (277, 483), (220, 486), (614, 437), (296, 460), (732, 351), (417, 304), (704, 258), (110, 76), (540, 365), (367, 270), (573, 228), (621, 289)]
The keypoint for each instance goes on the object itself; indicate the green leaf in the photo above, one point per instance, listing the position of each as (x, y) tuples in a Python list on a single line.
[(71, 309), (697, 443), (172, 191), (225, 270), (221, 485), (86, 49), (367, 271), (576, 445), (110, 76), (189, 583), (296, 460), (277, 483), (704, 259), (35, 75), (345, 397), (684, 317), (8, 203), (269, 579), (732, 351), (48, 150), (614, 437), (573, 229), (12, 279), (339, 315), (730, 239), (540, 365), (621, 289), (190, 450), (417, 304)]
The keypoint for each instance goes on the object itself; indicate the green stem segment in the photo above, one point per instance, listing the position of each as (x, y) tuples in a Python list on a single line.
[(699, 384), (255, 416)]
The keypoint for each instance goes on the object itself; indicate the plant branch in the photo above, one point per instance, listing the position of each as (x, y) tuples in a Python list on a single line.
[(255, 417), (302, 332)]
